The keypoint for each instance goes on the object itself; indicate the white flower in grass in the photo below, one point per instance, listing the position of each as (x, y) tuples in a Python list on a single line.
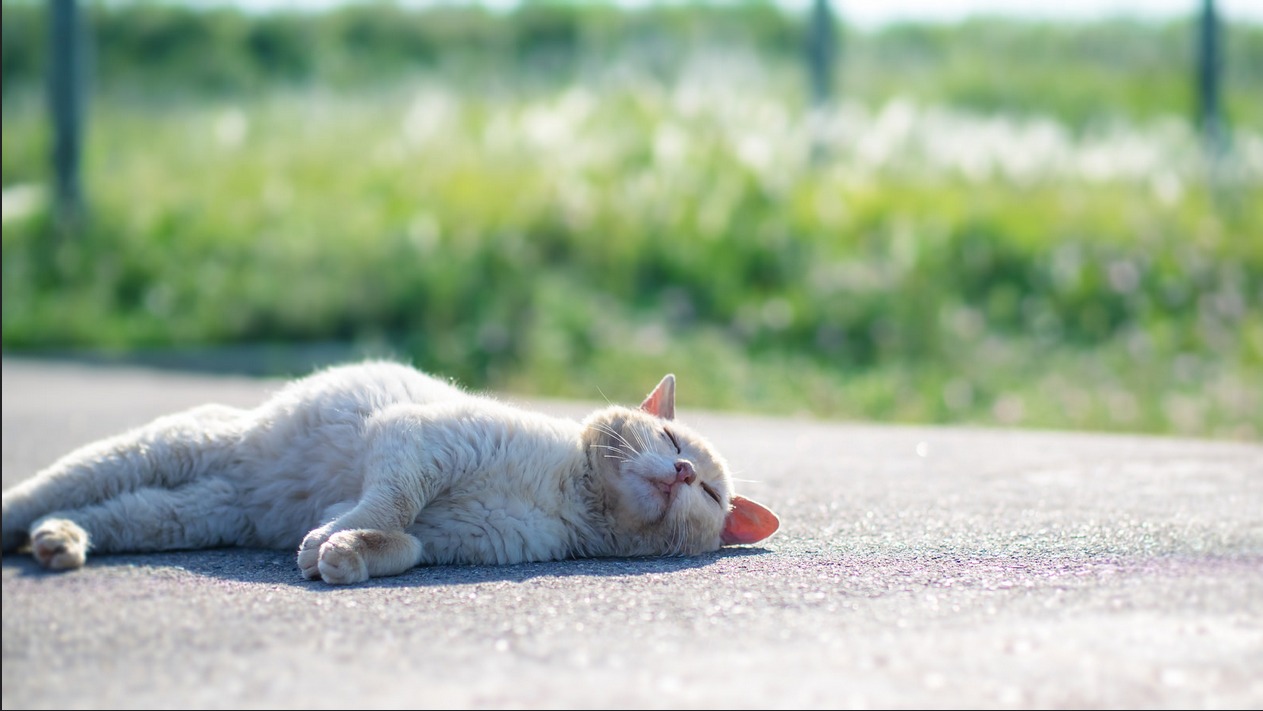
[(428, 116), (231, 128)]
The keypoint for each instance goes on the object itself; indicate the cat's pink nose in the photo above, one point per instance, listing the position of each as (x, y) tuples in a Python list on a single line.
[(684, 471)]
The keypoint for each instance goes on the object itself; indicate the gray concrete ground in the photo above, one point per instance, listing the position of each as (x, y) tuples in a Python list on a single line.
[(917, 567)]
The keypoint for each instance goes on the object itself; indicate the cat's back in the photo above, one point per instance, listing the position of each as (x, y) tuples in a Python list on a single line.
[(357, 391)]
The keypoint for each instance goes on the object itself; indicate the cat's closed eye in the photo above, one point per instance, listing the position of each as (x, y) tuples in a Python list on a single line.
[(671, 436), (713, 494)]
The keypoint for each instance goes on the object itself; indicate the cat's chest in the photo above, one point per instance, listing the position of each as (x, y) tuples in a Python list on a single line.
[(494, 526), (518, 504)]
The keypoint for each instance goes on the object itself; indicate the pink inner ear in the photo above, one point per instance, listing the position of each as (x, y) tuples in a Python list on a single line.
[(748, 522), (661, 402)]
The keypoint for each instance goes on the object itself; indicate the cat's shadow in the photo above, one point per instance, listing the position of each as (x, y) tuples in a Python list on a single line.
[(270, 567)]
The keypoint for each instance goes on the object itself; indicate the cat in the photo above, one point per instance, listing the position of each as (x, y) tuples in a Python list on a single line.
[(370, 469)]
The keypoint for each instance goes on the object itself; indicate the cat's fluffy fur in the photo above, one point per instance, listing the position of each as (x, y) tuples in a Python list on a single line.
[(373, 468)]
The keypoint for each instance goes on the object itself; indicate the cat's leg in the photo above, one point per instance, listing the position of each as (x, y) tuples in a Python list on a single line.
[(355, 555), (404, 469), (200, 514), (367, 541), (165, 453)]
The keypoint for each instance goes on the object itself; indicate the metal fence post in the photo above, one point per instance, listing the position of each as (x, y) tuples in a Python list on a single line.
[(66, 99), (1209, 67), (822, 50)]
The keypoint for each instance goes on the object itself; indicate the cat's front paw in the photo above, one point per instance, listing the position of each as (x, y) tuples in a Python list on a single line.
[(59, 544), (309, 553), (340, 560)]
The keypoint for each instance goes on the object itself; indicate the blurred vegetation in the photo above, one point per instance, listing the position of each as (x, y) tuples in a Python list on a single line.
[(1012, 223), (1080, 73)]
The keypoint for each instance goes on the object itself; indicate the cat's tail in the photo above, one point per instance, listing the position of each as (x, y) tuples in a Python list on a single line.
[(166, 453)]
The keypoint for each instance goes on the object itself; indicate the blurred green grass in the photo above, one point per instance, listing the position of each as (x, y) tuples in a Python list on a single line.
[(952, 259)]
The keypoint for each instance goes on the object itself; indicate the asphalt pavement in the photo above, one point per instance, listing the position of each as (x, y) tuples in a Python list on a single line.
[(916, 567)]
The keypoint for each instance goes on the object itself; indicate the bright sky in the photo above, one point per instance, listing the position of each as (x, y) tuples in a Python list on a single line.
[(872, 13)]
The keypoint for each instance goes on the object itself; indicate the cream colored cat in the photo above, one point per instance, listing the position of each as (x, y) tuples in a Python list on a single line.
[(371, 469)]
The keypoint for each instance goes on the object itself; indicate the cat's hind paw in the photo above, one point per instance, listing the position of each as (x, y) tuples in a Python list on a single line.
[(340, 561), (59, 544)]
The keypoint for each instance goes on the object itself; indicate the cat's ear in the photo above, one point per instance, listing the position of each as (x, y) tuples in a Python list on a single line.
[(661, 402), (748, 522)]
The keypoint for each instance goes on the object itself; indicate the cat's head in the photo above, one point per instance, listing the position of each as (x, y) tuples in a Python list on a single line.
[(665, 487)]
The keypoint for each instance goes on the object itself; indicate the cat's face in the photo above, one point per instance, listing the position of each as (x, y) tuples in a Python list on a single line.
[(667, 489)]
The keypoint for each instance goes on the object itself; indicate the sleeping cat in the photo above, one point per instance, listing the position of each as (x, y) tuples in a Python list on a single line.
[(373, 468)]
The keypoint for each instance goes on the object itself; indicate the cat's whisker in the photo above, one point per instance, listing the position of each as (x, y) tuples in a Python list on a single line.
[(680, 538), (617, 455), (636, 433), (631, 450), (627, 450), (607, 400), (609, 447), (607, 429), (673, 541)]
